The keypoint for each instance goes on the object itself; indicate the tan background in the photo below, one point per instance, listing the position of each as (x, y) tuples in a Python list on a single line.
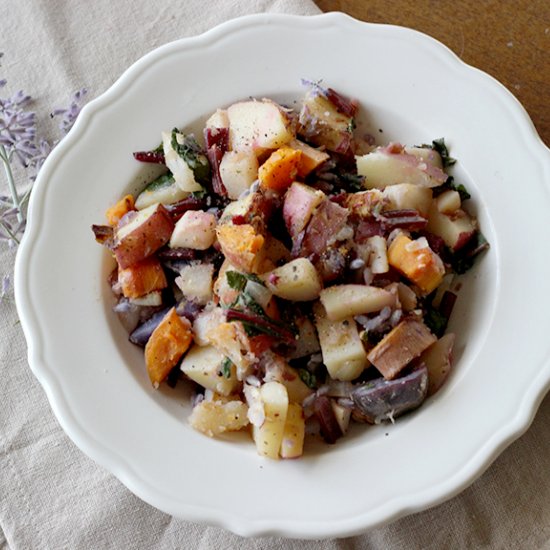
[(509, 39)]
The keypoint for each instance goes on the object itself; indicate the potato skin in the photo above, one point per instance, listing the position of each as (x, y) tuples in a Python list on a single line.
[(145, 239)]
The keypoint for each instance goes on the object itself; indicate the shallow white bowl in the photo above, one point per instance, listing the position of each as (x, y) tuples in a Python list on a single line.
[(414, 90)]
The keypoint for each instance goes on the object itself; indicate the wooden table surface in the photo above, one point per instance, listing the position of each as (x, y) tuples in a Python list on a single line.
[(508, 39)]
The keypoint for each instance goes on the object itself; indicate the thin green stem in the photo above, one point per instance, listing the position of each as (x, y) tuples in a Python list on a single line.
[(11, 182), (9, 232)]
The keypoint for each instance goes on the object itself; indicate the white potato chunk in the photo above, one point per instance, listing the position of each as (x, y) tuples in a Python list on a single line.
[(381, 169), (297, 280), (342, 349), (437, 359), (294, 431), (427, 154), (218, 119), (216, 417), (204, 365), (195, 282), (343, 301), (278, 370), (195, 229), (180, 169), (342, 415), (378, 257), (238, 170), (257, 126), (455, 230), (403, 196), (448, 202), (269, 436)]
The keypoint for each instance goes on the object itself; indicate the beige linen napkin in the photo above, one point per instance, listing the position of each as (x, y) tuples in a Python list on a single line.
[(51, 495)]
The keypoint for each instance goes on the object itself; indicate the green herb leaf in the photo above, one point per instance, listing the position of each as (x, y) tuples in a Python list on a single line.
[(235, 280), (165, 180), (190, 151), (435, 321), (308, 378), (439, 146), (226, 367)]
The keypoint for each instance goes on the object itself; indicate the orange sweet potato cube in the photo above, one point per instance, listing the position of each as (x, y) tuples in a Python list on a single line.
[(241, 245), (310, 159), (280, 169), (142, 278), (115, 212), (169, 341), (417, 261)]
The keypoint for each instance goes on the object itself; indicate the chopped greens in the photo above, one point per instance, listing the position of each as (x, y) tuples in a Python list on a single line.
[(226, 367), (308, 378), (439, 146), (191, 152)]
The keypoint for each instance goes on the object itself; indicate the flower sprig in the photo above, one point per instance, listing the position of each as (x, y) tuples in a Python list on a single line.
[(19, 141)]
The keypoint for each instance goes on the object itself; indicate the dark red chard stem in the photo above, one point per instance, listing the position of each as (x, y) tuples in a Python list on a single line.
[(217, 143), (152, 157), (261, 324), (343, 104), (178, 209), (408, 219)]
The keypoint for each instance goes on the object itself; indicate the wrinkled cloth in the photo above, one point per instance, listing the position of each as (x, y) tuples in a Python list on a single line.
[(52, 496)]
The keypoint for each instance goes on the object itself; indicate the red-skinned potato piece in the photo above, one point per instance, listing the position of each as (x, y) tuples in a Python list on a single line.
[(300, 202), (140, 234)]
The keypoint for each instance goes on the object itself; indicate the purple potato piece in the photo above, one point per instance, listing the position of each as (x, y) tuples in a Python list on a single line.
[(140, 336), (188, 309), (131, 315), (330, 429), (382, 399)]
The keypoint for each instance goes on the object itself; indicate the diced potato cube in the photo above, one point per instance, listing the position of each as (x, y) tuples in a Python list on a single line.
[(230, 340), (311, 158), (300, 202), (279, 370), (437, 359), (195, 229), (417, 261), (168, 342), (204, 365), (448, 202), (456, 229), (195, 282), (115, 212), (140, 234), (342, 415), (343, 301), (142, 278), (400, 346), (269, 436), (241, 245), (297, 280), (216, 417), (294, 431), (378, 257), (238, 170), (342, 349), (257, 126), (280, 169), (403, 196)]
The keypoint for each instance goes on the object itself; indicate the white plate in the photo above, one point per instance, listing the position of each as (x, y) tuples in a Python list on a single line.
[(415, 90)]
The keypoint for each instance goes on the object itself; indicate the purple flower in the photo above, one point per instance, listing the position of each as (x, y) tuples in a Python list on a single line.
[(70, 114)]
